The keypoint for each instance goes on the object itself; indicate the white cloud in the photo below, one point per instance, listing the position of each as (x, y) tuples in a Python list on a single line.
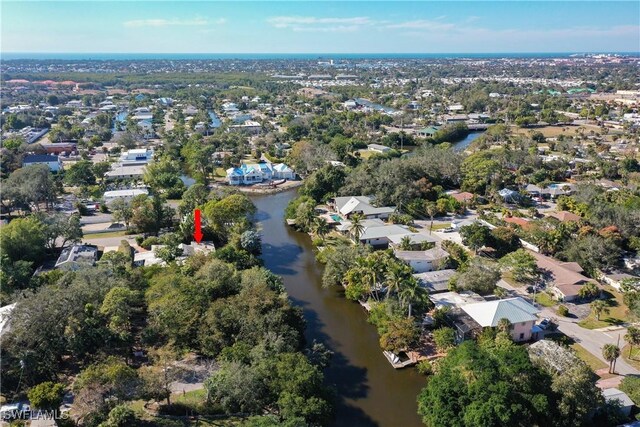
[(423, 24), (195, 22), (314, 24)]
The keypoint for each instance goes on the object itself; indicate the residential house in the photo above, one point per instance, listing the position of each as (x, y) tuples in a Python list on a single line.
[(250, 126), (127, 195), (564, 279), (458, 319), (427, 132), (517, 311), (521, 222), (350, 205), (435, 281), (423, 261), (147, 258), (625, 402), (617, 279), (564, 216), (76, 257), (254, 173), (463, 197), (282, 171), (60, 148), (125, 172), (52, 161), (138, 156)]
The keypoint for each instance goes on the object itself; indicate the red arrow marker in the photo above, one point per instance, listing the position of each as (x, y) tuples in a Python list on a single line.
[(197, 225)]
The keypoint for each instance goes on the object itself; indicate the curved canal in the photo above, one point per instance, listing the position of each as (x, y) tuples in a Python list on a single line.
[(370, 392)]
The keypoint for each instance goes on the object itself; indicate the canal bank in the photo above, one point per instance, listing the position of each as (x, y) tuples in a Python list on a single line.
[(370, 392)]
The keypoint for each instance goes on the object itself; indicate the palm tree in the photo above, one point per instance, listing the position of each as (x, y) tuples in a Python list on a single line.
[(611, 352), (599, 306), (431, 209), (405, 243), (504, 325), (356, 228), (394, 279), (321, 228), (632, 337), (411, 292)]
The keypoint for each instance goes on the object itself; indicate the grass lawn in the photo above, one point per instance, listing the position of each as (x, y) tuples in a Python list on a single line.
[(365, 154), (616, 315), (440, 226), (633, 359), (544, 299), (103, 235), (220, 172), (193, 397), (554, 131), (591, 360)]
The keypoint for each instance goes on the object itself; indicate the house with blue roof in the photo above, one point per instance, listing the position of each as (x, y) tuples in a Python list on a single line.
[(255, 173)]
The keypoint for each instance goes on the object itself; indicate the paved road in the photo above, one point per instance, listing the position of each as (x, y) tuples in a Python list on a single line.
[(593, 339)]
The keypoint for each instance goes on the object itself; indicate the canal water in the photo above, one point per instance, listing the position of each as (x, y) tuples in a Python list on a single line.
[(370, 392), (464, 143)]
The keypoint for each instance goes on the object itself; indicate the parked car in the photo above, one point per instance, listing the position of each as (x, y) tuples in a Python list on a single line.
[(546, 322), (448, 230)]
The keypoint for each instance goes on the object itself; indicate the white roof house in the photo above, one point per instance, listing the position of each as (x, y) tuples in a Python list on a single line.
[(422, 261), (138, 155), (126, 195), (362, 205)]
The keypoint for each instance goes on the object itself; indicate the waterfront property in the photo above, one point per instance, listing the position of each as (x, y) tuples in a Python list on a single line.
[(255, 173), (435, 281), (517, 311), (423, 261), (347, 206)]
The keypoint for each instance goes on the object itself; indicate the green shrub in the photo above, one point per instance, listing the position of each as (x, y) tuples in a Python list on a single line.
[(563, 311), (149, 241), (424, 367)]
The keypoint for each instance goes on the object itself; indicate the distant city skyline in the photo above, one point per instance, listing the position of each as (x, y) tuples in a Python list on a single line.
[(320, 27)]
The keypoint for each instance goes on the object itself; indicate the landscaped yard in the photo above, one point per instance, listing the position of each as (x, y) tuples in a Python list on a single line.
[(544, 299), (634, 358), (617, 312), (440, 226), (104, 235)]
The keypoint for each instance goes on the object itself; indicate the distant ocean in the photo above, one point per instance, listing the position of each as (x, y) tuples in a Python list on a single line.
[(275, 56)]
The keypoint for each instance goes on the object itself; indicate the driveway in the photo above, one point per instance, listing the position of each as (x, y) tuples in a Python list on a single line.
[(593, 339)]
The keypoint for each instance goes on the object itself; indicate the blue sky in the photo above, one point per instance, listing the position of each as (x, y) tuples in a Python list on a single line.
[(319, 26)]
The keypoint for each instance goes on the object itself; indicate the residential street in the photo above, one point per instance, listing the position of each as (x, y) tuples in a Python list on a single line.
[(593, 340)]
